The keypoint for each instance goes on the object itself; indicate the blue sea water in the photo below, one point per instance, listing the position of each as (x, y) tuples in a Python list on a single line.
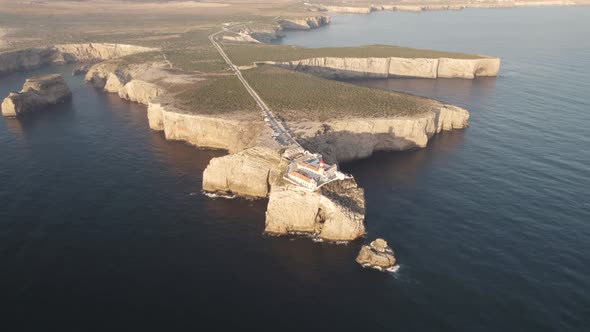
[(102, 224)]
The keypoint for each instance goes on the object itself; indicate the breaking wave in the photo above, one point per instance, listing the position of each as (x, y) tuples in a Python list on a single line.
[(212, 195)]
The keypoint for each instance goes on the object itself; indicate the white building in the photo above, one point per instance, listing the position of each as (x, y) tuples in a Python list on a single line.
[(302, 180)]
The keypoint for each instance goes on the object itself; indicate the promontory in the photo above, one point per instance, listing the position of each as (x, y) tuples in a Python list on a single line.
[(285, 120)]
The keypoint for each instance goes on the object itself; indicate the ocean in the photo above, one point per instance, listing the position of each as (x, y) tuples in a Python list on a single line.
[(103, 225)]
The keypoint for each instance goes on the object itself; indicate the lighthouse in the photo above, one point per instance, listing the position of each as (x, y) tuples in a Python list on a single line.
[(321, 168)]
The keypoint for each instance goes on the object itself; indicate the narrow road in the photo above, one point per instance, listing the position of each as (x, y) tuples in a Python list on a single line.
[(282, 135)]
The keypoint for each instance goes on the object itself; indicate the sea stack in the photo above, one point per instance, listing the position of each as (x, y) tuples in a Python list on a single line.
[(37, 93), (376, 255)]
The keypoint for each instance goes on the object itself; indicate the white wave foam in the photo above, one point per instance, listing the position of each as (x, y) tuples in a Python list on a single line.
[(212, 195), (393, 269)]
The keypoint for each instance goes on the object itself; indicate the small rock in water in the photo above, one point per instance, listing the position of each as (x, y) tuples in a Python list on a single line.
[(37, 93), (376, 255)]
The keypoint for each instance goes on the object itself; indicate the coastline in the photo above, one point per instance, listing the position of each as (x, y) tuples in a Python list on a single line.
[(254, 168), (416, 8)]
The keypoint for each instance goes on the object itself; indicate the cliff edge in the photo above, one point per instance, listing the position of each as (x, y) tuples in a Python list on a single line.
[(33, 58), (37, 93), (347, 68)]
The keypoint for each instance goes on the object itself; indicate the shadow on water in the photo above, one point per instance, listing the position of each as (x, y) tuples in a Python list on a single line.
[(405, 167), (26, 123), (461, 92)]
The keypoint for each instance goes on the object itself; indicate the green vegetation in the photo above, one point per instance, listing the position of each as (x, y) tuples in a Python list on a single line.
[(222, 94), (297, 96), (204, 59), (243, 55)]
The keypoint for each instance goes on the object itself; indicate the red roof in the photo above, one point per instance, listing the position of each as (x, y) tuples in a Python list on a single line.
[(301, 176)]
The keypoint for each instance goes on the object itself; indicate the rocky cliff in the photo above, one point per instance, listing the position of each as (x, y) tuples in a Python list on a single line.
[(135, 82), (306, 23), (266, 33), (140, 91), (33, 58), (37, 93), (330, 67), (357, 138), (250, 173), (336, 212), (420, 8), (230, 134)]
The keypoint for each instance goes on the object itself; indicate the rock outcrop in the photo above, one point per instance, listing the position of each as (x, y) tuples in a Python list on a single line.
[(376, 255), (346, 68), (336, 212), (249, 173), (306, 23), (266, 33), (231, 134), (33, 58), (37, 93), (358, 138), (429, 7), (140, 91)]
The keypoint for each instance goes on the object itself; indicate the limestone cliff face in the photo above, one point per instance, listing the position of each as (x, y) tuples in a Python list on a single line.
[(113, 75), (304, 23), (37, 93), (458, 68), (131, 81), (28, 59), (266, 33), (429, 7), (249, 173), (96, 51), (336, 212), (352, 139), (330, 67), (140, 91), (33, 58), (202, 130)]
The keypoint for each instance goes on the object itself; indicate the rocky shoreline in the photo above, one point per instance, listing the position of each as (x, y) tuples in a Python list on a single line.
[(352, 68), (254, 167), (431, 7), (33, 58)]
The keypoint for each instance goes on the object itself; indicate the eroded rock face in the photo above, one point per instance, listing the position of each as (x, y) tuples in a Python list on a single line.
[(96, 51), (37, 93), (140, 91), (336, 212), (304, 23), (249, 173), (346, 68), (376, 255), (356, 138), (202, 130), (33, 58)]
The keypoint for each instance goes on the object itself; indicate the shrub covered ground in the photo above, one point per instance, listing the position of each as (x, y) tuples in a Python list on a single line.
[(219, 95), (297, 96)]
